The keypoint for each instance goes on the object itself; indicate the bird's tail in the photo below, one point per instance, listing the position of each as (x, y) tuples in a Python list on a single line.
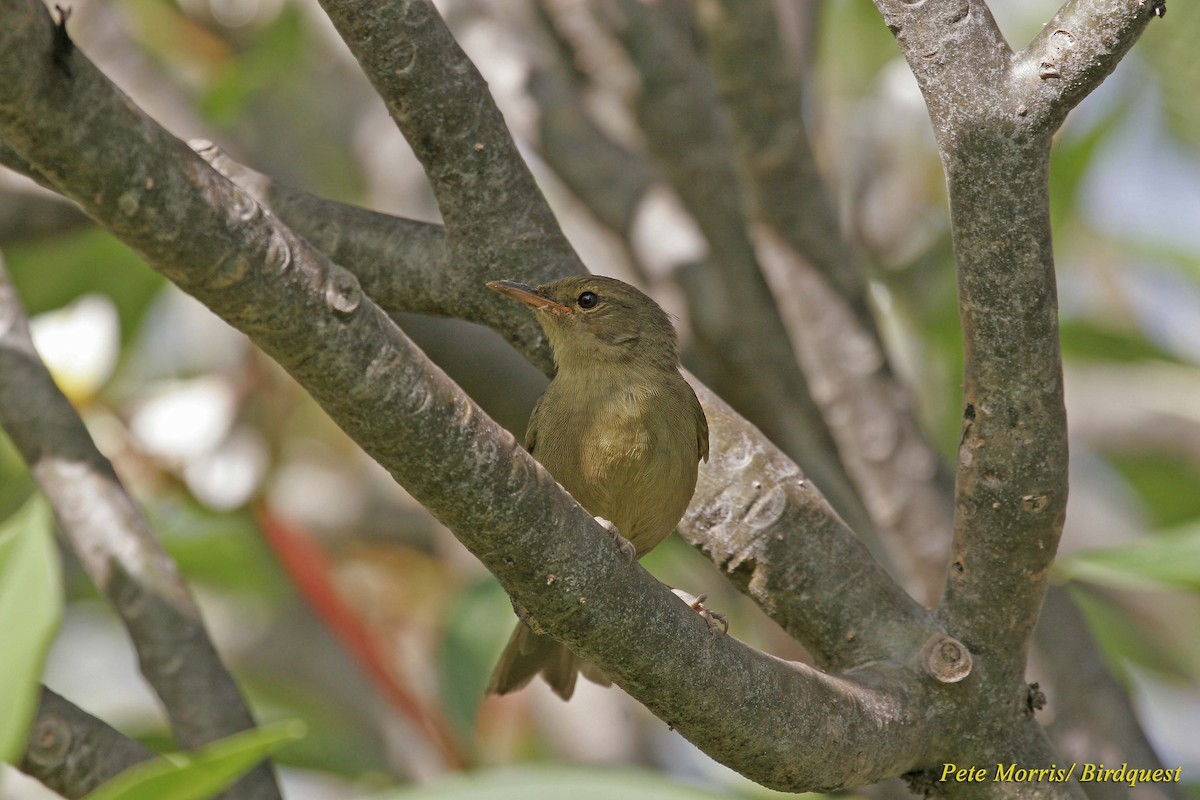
[(528, 653)]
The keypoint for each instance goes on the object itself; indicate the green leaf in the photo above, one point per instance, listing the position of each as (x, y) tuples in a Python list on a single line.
[(30, 610), (1092, 341), (276, 51), (1169, 487), (1071, 160), (204, 543), (476, 629), (1126, 638), (51, 272), (202, 773), (1169, 46), (521, 783), (1166, 561)]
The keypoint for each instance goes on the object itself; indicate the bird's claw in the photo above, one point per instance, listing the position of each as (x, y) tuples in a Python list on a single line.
[(627, 548), (696, 603)]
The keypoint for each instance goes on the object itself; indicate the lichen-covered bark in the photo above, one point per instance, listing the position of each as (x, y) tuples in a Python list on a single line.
[(107, 531), (783, 725), (750, 710), (72, 752), (993, 115)]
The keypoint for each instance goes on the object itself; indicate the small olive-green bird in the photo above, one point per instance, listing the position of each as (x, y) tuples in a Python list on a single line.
[(618, 427)]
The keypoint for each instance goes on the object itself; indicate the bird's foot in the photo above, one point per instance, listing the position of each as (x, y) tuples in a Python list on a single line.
[(626, 546), (713, 618)]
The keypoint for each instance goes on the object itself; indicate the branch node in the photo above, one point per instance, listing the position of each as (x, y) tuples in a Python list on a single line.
[(49, 741), (1035, 699), (342, 291), (945, 658), (1049, 70)]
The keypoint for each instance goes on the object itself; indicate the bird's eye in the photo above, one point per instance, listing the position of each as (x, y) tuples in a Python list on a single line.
[(588, 300)]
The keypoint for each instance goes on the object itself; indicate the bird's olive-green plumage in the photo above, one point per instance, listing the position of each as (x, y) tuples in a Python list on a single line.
[(618, 427)]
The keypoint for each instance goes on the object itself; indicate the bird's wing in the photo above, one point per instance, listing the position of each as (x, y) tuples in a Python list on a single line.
[(701, 428), (531, 429)]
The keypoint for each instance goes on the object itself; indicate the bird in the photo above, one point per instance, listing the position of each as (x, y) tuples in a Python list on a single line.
[(618, 427)]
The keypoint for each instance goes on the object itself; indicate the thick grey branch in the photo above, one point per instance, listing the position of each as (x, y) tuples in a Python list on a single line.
[(821, 291), (103, 526), (72, 752), (404, 262), (1074, 52), (738, 322), (497, 224), (758, 714), (993, 118), (761, 521), (749, 497)]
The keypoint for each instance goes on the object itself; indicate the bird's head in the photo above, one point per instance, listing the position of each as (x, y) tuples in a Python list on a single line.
[(593, 320)]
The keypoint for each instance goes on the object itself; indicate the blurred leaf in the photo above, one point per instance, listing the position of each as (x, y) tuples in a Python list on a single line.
[(477, 627), (853, 45), (30, 611), (1168, 487), (172, 39), (276, 51), (1170, 48), (1166, 561), (338, 741), (221, 550), (51, 273), (1084, 339), (200, 774), (16, 484), (1125, 639), (1073, 154), (526, 782)]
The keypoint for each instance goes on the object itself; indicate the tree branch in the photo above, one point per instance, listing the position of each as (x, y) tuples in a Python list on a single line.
[(821, 292), (612, 180), (1074, 52), (766, 526), (752, 711), (748, 493), (496, 228), (765, 99), (993, 120), (689, 137), (72, 752), (116, 547), (1102, 724), (404, 261), (1011, 487)]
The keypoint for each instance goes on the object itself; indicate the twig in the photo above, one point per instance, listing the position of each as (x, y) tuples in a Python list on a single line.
[(557, 564), (734, 314), (72, 752), (821, 292), (114, 543), (749, 495)]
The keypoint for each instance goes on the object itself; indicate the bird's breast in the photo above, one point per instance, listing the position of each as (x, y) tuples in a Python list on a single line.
[(626, 451)]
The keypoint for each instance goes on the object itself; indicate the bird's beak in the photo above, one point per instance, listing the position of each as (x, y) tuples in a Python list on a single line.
[(529, 296)]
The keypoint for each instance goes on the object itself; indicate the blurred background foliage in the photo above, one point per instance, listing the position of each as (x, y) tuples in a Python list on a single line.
[(222, 449)]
